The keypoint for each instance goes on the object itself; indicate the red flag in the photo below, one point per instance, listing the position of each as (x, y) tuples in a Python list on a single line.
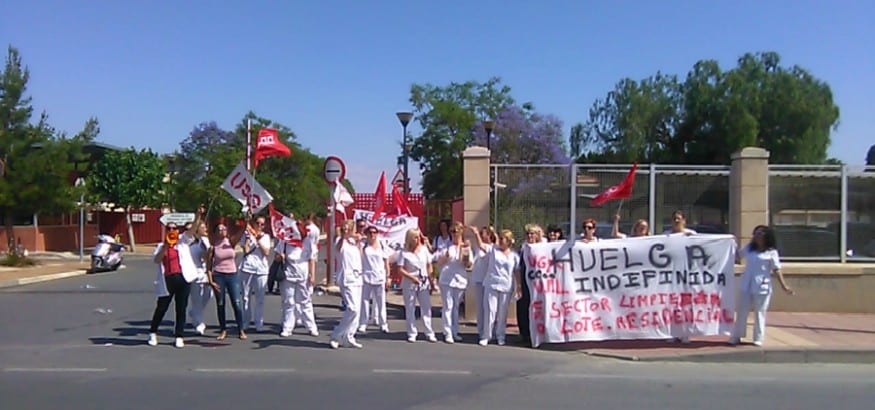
[(399, 202), (621, 191), (269, 145), (380, 197), (286, 229)]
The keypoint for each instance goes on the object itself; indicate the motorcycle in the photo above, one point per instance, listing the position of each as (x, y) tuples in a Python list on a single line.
[(107, 254)]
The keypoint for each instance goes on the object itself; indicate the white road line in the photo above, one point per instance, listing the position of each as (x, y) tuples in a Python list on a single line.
[(243, 370), (54, 369), (421, 371), (646, 377)]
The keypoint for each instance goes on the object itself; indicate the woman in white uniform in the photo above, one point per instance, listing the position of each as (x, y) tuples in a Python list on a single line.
[(679, 225), (375, 261), (197, 239), (454, 261), (414, 265), (762, 260), (502, 278), (295, 286), (349, 278), (483, 240), (444, 239), (253, 272)]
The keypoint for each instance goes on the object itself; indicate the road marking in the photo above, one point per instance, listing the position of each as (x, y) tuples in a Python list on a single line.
[(663, 378), (54, 369), (243, 370), (421, 371)]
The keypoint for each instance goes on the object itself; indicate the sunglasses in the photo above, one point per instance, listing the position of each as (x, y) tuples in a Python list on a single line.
[(588, 227), (173, 228)]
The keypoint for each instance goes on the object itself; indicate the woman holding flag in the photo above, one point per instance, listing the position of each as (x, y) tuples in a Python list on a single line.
[(296, 281), (349, 278), (484, 240), (455, 260)]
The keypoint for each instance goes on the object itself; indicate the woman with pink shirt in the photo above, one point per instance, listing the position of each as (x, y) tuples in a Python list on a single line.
[(223, 276)]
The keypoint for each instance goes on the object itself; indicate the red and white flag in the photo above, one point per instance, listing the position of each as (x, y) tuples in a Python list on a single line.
[(269, 145), (287, 229), (380, 197), (623, 190), (342, 197), (399, 203)]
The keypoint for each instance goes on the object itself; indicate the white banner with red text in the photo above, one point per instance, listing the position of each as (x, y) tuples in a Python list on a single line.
[(246, 190), (655, 287), (391, 229)]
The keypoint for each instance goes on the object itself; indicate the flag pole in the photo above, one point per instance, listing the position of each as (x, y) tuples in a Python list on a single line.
[(620, 206), (249, 162), (331, 239)]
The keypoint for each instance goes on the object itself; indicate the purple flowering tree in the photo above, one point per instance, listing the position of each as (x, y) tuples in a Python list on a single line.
[(522, 136)]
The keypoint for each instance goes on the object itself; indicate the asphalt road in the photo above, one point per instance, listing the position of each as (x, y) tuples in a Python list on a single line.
[(80, 343)]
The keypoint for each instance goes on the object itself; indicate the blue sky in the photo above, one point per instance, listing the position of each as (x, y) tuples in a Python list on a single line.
[(337, 71)]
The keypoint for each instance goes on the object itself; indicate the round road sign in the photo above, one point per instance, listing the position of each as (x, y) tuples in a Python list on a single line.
[(333, 170)]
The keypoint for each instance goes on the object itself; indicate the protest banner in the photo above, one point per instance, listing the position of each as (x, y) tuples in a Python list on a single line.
[(391, 228), (655, 287), (246, 190)]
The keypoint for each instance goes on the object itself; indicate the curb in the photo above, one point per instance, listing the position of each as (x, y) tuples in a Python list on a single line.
[(41, 278), (813, 355)]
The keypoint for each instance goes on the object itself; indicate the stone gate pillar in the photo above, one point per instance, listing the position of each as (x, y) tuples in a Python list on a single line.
[(475, 204), (748, 192)]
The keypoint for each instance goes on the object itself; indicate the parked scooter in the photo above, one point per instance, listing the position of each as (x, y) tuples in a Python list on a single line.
[(107, 255)]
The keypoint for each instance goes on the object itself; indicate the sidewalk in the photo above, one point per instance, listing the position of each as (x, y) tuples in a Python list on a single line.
[(44, 271)]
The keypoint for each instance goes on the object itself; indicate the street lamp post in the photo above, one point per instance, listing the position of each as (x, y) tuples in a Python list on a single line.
[(489, 125), (405, 117)]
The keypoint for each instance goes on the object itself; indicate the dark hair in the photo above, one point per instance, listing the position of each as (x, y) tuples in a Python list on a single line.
[(555, 228), (769, 241), (678, 213)]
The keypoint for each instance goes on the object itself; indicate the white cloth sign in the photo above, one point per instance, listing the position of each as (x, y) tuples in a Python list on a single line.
[(241, 185), (655, 287), (391, 229)]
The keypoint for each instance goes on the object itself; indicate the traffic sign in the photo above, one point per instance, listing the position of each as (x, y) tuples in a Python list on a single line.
[(398, 179), (333, 170), (177, 218)]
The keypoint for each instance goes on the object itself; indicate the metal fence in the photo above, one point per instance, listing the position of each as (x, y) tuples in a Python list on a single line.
[(818, 212), (542, 194), (823, 212)]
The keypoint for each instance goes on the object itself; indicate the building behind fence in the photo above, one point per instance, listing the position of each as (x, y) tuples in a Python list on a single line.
[(818, 212)]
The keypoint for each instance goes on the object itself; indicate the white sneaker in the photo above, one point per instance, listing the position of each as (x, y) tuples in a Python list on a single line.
[(179, 343), (334, 345), (411, 339), (314, 332), (363, 329), (353, 343), (758, 343), (449, 339), (483, 342), (153, 339), (285, 333), (432, 338), (201, 328), (384, 329)]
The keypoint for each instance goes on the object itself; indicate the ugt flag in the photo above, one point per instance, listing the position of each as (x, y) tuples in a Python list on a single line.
[(621, 191), (269, 145)]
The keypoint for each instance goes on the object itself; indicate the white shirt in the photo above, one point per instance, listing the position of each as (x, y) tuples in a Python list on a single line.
[(686, 231), (757, 276), (256, 261), (441, 243), (499, 274), (481, 263), (374, 264), (198, 247), (349, 273), (295, 262), (415, 264), (453, 272), (313, 233)]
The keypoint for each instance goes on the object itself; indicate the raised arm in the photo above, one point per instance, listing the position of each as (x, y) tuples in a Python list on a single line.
[(615, 230)]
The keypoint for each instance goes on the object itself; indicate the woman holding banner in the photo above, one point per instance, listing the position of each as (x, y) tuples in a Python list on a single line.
[(375, 263), (588, 234), (484, 241), (414, 265), (349, 279), (455, 262), (679, 225), (762, 261), (534, 234), (502, 278)]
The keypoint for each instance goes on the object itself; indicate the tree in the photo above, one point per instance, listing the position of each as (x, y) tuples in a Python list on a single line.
[(713, 113), (577, 139), (447, 116), (129, 179), (37, 160), (522, 136), (209, 154), (870, 157)]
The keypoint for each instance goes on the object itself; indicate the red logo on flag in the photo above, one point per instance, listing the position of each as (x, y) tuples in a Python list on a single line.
[(269, 145)]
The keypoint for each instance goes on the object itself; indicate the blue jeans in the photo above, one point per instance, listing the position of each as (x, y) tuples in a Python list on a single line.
[(229, 283)]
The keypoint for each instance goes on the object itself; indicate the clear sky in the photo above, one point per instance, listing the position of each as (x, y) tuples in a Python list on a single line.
[(337, 71)]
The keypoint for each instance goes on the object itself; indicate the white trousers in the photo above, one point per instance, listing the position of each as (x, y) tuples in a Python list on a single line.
[(253, 286), (198, 298), (480, 303), (496, 314), (760, 304), (297, 304), (411, 296), (378, 292), (450, 311), (345, 330)]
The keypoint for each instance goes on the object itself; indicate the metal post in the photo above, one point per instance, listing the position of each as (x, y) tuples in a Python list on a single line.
[(843, 240), (651, 198), (331, 240), (573, 215), (494, 187), (406, 160), (81, 227)]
